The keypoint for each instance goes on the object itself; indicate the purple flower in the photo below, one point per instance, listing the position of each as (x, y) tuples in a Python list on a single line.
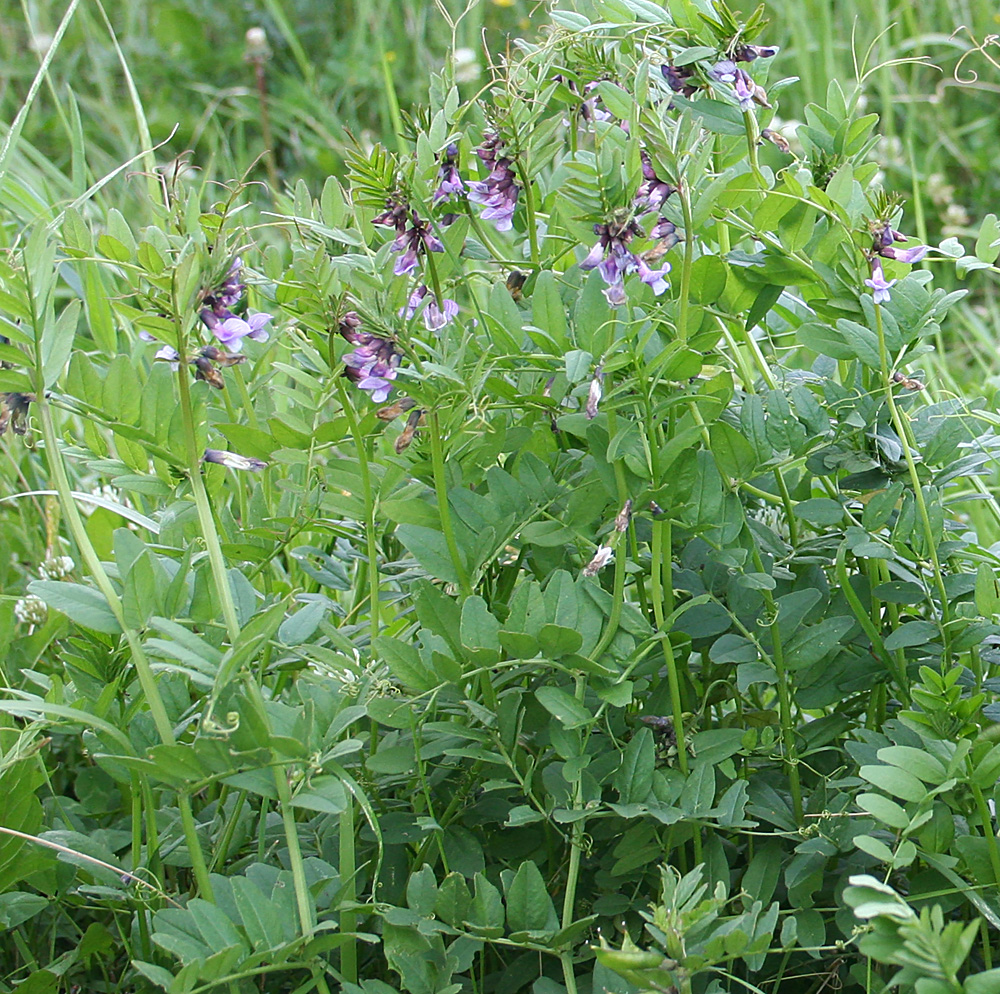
[(435, 317), (743, 85), (653, 191), (373, 363), (885, 239), (880, 286), (233, 329), (679, 79), (612, 257), (588, 109), (218, 317), (665, 231), (653, 277), (747, 91), (233, 460), (724, 71), (395, 215), (747, 53), (231, 291), (449, 182), (410, 241), (414, 240), (498, 193), (169, 354)]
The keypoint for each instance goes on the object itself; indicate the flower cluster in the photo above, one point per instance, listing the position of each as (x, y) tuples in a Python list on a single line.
[(615, 260), (204, 362), (30, 610), (884, 247), (434, 317), (499, 191), (653, 191), (217, 313), (56, 567), (373, 363), (682, 79), (449, 182), (885, 238), (410, 240), (747, 91), (679, 79)]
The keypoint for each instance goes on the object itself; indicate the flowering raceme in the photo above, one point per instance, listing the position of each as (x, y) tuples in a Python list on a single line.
[(884, 247), (498, 192), (434, 317), (410, 241), (373, 363), (612, 256), (218, 317), (885, 239), (653, 191), (449, 182)]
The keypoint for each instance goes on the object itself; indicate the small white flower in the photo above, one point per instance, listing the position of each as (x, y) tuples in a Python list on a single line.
[(30, 610), (56, 567)]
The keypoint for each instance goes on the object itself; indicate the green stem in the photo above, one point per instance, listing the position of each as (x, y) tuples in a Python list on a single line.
[(784, 695), (673, 677), (347, 867), (529, 206), (987, 819), (206, 519), (444, 509), (685, 290), (750, 126), (303, 899), (198, 864), (918, 492), (576, 844), (143, 670), (369, 497)]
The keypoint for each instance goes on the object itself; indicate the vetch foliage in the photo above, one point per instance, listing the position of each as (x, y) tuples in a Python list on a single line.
[(577, 615)]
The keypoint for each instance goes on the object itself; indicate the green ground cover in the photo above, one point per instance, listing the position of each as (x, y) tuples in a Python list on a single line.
[(499, 498)]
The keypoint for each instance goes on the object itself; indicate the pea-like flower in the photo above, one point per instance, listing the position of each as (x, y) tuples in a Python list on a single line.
[(434, 317), (233, 460), (747, 91), (374, 362), (878, 283), (885, 239), (232, 330), (449, 181), (653, 191), (615, 260), (411, 242), (679, 79), (498, 193), (747, 53), (217, 313)]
